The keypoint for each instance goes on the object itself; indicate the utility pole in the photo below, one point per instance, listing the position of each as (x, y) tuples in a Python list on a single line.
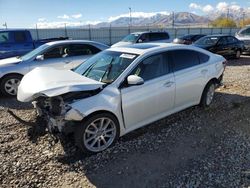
[(243, 19), (5, 25), (173, 19), (130, 16), (228, 11)]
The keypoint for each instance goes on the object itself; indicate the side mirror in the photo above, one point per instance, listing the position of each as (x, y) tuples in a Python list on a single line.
[(135, 80), (39, 57)]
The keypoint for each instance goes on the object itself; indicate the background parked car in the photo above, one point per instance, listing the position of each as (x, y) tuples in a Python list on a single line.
[(66, 54), (188, 39), (122, 89), (244, 35), (17, 42), (142, 37), (225, 45)]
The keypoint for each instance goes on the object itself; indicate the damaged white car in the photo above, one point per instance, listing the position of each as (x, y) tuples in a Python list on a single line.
[(122, 89)]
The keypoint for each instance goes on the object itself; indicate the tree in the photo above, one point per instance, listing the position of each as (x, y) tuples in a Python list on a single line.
[(244, 23), (223, 22)]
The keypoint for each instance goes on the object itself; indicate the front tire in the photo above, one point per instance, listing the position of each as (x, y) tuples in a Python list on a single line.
[(208, 95), (9, 85), (97, 133)]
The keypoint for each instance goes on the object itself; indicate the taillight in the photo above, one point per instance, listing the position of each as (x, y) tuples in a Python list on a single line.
[(224, 63)]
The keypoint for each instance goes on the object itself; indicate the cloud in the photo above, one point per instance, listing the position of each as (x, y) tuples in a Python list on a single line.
[(76, 16), (137, 15), (207, 8), (235, 7), (222, 6), (65, 16), (92, 22), (41, 19), (194, 6)]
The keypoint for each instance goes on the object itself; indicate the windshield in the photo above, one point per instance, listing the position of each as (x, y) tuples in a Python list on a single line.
[(207, 41), (106, 66), (34, 52), (131, 38)]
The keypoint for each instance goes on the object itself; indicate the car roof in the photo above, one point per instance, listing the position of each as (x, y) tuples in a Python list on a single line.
[(143, 32), (143, 48), (73, 41), (2, 30), (219, 35)]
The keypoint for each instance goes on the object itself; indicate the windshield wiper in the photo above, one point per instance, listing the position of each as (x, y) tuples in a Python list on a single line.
[(110, 65)]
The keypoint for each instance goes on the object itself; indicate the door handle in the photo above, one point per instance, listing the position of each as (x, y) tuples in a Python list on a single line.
[(204, 71), (168, 84)]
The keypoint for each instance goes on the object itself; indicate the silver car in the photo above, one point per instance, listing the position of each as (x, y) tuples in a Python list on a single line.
[(122, 89), (66, 54)]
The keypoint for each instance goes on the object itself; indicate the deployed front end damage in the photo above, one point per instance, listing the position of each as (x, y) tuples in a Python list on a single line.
[(52, 92), (57, 113)]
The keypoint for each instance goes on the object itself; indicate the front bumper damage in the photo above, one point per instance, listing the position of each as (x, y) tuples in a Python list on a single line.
[(57, 115)]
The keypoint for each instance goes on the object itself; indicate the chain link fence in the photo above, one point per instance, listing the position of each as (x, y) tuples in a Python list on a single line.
[(111, 35)]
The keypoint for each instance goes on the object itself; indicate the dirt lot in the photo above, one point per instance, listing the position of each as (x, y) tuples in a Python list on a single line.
[(194, 148)]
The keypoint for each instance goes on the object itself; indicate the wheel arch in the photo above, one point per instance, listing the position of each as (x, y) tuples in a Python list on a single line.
[(10, 74)]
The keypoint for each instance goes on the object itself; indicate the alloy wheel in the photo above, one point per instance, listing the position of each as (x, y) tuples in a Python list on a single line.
[(210, 94), (99, 134), (11, 86)]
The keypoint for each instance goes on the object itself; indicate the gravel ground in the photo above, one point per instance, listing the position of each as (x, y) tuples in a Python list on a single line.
[(193, 148)]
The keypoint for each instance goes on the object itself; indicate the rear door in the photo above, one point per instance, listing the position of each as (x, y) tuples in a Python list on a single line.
[(190, 76), (146, 103), (222, 47)]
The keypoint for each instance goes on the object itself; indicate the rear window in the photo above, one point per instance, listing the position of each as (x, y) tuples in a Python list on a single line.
[(203, 57), (184, 59)]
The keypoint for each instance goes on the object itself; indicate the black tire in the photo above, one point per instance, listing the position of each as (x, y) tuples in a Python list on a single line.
[(8, 79), (204, 102), (80, 132), (237, 54)]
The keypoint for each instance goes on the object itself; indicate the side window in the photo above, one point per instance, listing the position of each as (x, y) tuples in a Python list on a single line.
[(56, 52), (19, 36), (82, 49), (158, 36), (4, 37), (184, 59), (144, 37), (203, 57), (231, 40), (152, 67), (222, 41)]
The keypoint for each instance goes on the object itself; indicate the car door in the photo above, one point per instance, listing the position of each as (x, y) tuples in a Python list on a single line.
[(222, 47), (147, 102), (79, 53), (232, 45), (22, 43), (6, 45), (190, 77)]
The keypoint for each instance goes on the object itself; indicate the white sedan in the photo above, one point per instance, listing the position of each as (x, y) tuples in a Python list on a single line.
[(122, 89), (65, 54)]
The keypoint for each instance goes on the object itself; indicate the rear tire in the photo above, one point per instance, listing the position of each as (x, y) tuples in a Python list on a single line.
[(237, 54), (97, 133), (9, 85), (208, 95)]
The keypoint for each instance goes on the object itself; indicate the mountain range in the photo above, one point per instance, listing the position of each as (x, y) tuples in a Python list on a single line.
[(180, 19)]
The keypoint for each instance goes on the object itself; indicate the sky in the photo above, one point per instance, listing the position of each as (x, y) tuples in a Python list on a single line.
[(55, 13)]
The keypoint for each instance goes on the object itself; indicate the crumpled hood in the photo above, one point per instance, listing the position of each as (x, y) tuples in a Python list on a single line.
[(121, 43), (8, 61), (53, 82)]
